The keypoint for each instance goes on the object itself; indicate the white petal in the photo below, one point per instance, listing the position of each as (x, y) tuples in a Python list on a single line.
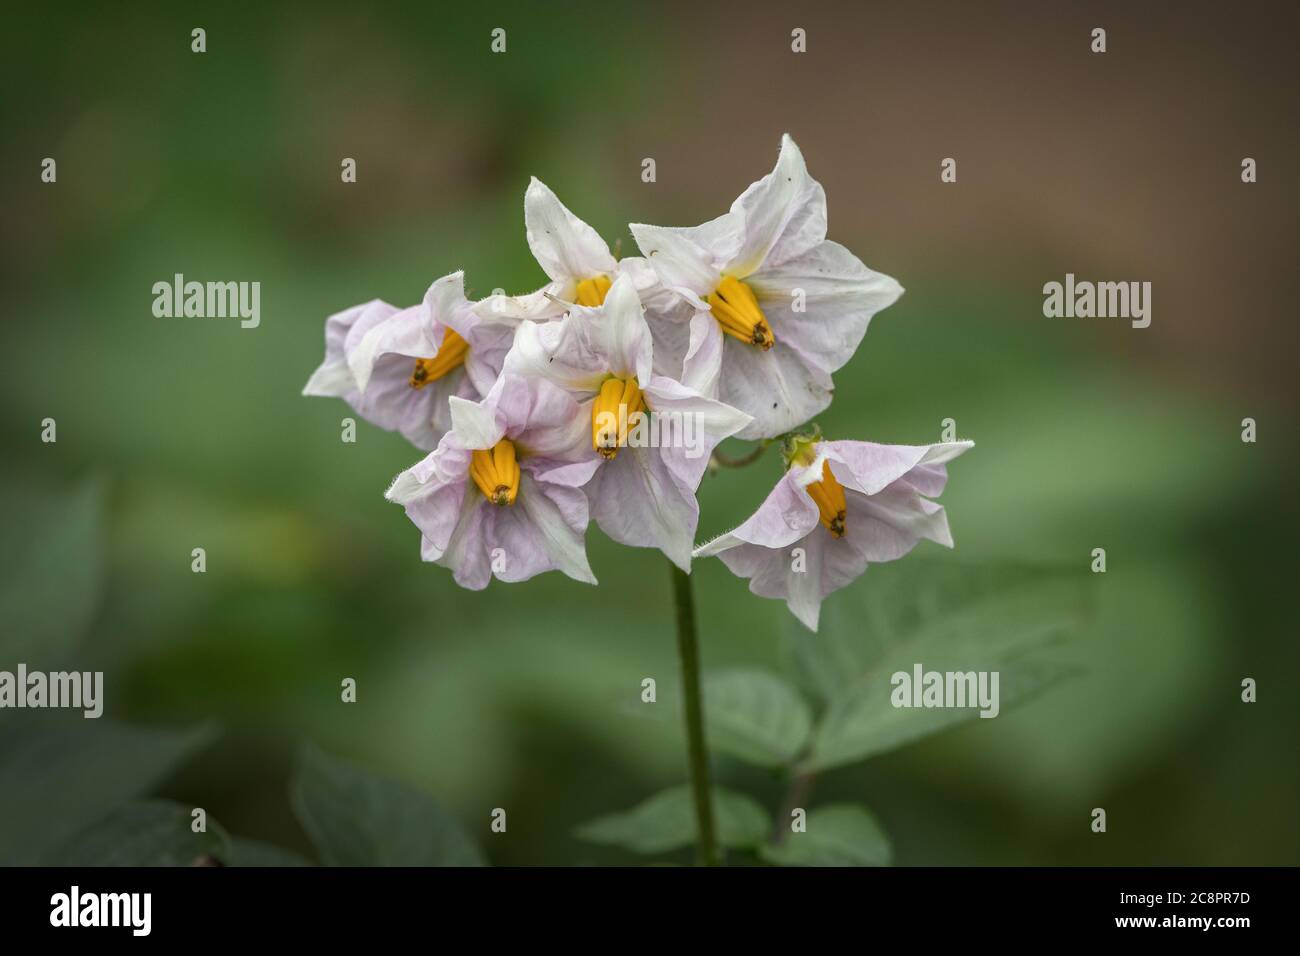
[(564, 245), (556, 352), (689, 427), (775, 386), (334, 377), (559, 515), (409, 333), (475, 423), (680, 262), (870, 467), (784, 214), (702, 366), (543, 305), (840, 295), (785, 516), (638, 501), (617, 331)]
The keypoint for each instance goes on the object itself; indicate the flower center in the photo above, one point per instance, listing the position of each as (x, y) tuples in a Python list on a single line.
[(612, 412), (451, 356), (736, 309), (496, 472), (828, 494), (591, 292)]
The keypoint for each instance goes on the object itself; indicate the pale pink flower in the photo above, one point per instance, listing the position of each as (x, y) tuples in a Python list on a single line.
[(840, 506), (494, 498), (398, 368)]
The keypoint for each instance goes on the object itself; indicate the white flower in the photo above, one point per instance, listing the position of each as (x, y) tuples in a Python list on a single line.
[(577, 260), (779, 307), (650, 436)]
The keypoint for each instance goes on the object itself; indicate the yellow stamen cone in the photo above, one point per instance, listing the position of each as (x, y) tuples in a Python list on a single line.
[(828, 495), (591, 292), (451, 356), (496, 472), (736, 309)]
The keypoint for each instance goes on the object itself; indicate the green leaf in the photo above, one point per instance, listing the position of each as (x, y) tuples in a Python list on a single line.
[(57, 775), (245, 852), (946, 617), (51, 571), (666, 821), (356, 818), (841, 834), (147, 833), (756, 716)]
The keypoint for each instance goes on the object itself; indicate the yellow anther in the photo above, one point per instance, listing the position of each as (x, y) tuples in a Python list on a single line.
[(451, 355), (496, 472), (828, 494), (736, 308), (611, 414), (591, 292)]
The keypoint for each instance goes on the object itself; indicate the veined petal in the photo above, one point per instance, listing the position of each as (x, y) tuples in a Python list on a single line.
[(466, 553), (617, 331), (556, 352), (421, 416), (559, 517), (784, 214), (334, 377), (547, 303), (839, 297), (702, 365), (776, 387), (782, 519), (689, 426), (554, 425), (564, 245), (679, 261), (888, 525), (869, 468), (638, 501), (476, 424), (410, 333), (489, 344)]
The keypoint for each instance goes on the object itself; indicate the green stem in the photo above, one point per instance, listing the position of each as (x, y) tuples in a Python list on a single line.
[(747, 459), (689, 652)]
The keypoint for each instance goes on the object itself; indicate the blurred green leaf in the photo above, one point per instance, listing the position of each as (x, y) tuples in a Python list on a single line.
[(356, 818), (666, 821), (57, 777), (246, 852), (51, 569), (947, 617), (756, 716), (147, 833), (841, 834)]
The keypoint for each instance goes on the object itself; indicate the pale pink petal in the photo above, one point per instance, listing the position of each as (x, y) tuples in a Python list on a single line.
[(638, 501), (689, 426)]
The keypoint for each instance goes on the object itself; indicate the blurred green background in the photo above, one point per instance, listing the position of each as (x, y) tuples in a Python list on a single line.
[(225, 166)]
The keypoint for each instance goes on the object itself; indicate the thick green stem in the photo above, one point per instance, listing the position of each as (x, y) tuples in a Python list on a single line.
[(689, 651)]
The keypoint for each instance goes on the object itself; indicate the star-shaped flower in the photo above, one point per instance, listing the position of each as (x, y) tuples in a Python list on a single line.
[(840, 506), (778, 306), (650, 437), (494, 498), (398, 368)]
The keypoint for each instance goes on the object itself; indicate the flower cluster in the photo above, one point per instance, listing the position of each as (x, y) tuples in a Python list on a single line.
[(603, 394)]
